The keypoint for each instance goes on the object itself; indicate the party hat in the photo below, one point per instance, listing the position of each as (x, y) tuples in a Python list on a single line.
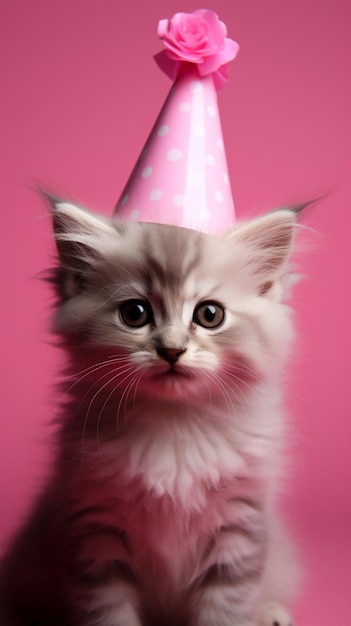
[(181, 177)]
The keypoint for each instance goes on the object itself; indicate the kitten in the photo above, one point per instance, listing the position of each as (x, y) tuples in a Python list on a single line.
[(161, 506)]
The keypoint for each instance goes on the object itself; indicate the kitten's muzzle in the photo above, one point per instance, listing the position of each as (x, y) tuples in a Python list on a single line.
[(171, 355)]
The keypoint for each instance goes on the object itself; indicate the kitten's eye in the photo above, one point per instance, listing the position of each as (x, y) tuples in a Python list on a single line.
[(209, 314), (136, 313)]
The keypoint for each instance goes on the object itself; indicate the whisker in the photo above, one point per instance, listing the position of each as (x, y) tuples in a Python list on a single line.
[(223, 391), (95, 397), (230, 392), (237, 379), (107, 401), (137, 384), (242, 367), (89, 390), (124, 395), (84, 374), (136, 380), (91, 368), (237, 392), (203, 376)]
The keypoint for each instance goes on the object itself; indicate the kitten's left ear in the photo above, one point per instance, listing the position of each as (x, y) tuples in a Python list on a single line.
[(269, 241)]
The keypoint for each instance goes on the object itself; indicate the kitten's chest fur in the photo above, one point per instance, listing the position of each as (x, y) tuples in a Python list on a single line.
[(169, 485)]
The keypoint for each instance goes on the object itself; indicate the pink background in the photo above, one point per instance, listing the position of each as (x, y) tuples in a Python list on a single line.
[(80, 93)]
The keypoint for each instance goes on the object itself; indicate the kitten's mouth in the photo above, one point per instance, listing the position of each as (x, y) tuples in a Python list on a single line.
[(173, 373), (174, 382)]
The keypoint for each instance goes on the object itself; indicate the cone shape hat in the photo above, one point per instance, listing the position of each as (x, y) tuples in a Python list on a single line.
[(181, 177)]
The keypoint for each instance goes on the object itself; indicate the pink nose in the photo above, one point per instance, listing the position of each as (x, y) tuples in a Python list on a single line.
[(171, 355)]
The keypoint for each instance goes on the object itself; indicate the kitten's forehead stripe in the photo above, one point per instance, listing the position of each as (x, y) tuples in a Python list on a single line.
[(172, 257)]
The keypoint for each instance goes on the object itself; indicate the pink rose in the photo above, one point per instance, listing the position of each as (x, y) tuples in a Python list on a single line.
[(198, 37)]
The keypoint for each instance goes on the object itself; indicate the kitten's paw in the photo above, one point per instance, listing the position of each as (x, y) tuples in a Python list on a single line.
[(274, 614)]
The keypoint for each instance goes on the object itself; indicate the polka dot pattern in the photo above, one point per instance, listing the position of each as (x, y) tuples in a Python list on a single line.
[(134, 215), (174, 154), (156, 194), (185, 107), (181, 177), (196, 86), (147, 171), (163, 130)]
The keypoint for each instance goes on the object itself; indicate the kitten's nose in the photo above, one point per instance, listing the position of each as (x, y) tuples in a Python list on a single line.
[(171, 355)]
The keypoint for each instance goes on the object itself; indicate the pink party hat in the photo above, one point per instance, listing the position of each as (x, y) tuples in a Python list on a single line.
[(181, 177)]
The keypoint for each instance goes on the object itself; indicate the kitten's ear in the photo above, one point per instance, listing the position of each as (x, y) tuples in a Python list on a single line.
[(78, 233), (81, 237), (269, 241)]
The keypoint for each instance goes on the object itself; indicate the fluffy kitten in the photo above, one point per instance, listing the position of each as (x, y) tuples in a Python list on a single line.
[(160, 509)]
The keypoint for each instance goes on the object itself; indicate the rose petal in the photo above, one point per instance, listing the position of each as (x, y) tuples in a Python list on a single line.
[(162, 28), (187, 33), (212, 63), (220, 78), (217, 29), (184, 56), (168, 66)]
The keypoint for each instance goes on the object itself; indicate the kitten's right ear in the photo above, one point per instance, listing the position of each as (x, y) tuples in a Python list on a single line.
[(78, 233), (81, 237)]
